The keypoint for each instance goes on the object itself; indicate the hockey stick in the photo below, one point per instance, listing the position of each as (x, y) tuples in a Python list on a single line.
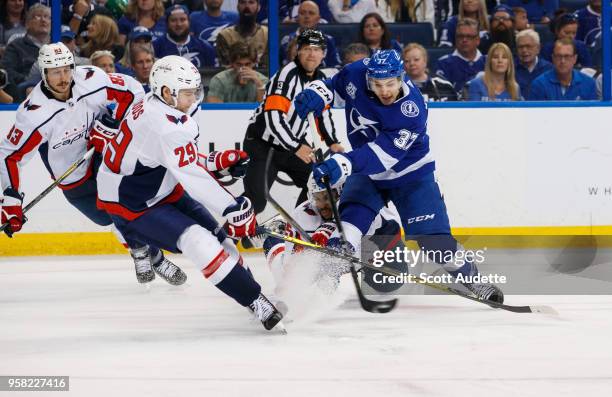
[(415, 278), (52, 186), (367, 304), (276, 205)]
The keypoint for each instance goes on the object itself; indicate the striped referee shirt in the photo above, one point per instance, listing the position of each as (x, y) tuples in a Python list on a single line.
[(276, 122)]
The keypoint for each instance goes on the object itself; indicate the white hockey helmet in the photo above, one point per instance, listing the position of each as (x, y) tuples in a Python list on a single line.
[(176, 73), (53, 55), (317, 196)]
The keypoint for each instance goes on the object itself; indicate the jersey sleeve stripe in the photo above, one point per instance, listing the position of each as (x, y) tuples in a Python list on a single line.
[(277, 102), (12, 161), (124, 100)]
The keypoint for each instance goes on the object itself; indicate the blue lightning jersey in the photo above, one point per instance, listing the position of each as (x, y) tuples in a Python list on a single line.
[(390, 143)]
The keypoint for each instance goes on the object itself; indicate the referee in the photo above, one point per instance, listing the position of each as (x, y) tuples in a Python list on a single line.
[(275, 124)]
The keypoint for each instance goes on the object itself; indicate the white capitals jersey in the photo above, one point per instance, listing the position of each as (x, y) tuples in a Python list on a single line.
[(152, 160), (59, 129)]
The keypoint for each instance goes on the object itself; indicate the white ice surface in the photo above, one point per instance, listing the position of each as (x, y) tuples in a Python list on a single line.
[(86, 317)]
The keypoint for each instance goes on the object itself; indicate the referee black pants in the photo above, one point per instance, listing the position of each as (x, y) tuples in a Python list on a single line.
[(287, 162)]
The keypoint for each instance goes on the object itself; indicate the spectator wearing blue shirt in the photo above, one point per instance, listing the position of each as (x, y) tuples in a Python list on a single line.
[(308, 18), (475, 9), (538, 11), (566, 26), (563, 83), (374, 33), (466, 61), (497, 83), (178, 40), (528, 65), (589, 22), (207, 24), (147, 13)]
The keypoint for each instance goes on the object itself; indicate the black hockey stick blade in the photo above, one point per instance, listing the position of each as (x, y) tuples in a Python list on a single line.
[(392, 272)]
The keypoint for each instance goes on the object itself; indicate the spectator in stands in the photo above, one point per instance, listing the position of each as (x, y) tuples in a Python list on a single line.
[(355, 52), (247, 30), (474, 9), (147, 13), (142, 58), (589, 22), (566, 26), (351, 11), (102, 34), (308, 18), (433, 88), (538, 11), (79, 14), (528, 65), (520, 19), (207, 24), (12, 21), (4, 96), (139, 36), (103, 59), (466, 61), (406, 10), (178, 40), (374, 33), (502, 28), (497, 83), (22, 52), (563, 83), (288, 11), (239, 83)]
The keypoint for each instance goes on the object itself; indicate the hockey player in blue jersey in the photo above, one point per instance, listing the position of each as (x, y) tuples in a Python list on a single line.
[(390, 161)]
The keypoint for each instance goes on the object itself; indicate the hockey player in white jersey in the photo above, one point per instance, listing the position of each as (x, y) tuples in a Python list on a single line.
[(315, 217), (158, 189), (62, 117)]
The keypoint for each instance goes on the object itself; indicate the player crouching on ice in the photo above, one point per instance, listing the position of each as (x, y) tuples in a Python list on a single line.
[(158, 189), (59, 119), (315, 216), (390, 161)]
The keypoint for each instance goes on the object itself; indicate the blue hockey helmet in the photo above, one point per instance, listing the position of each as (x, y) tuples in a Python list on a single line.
[(385, 64)]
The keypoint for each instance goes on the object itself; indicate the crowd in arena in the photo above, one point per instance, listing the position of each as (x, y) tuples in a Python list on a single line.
[(472, 50)]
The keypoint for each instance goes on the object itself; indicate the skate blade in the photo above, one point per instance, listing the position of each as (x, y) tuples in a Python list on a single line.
[(280, 327), (544, 310)]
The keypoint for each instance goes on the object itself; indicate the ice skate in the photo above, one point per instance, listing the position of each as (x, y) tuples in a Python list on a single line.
[(486, 292), (168, 270), (142, 264), (265, 311)]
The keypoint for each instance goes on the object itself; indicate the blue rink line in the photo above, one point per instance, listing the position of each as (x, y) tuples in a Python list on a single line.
[(433, 105)]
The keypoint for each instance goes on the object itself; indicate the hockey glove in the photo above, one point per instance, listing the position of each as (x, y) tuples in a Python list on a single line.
[(228, 162), (240, 219), (102, 132), (12, 211), (313, 99), (323, 233), (336, 169)]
